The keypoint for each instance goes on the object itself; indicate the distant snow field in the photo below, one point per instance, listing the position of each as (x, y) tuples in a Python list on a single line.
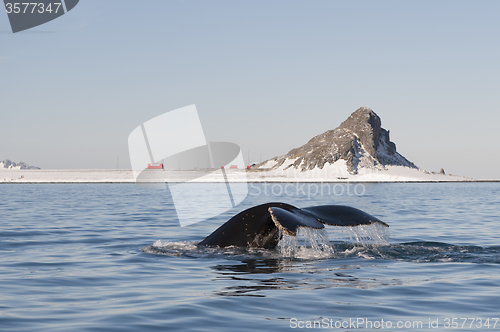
[(336, 172)]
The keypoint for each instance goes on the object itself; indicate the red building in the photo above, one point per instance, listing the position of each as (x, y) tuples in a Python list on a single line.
[(155, 166)]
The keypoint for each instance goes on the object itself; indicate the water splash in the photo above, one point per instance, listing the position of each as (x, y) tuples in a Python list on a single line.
[(363, 235), (309, 243), (313, 243)]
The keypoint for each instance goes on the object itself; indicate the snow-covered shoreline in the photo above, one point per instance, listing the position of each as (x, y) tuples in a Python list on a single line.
[(332, 174)]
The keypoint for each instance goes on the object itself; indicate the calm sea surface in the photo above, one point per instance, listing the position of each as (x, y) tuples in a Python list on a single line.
[(112, 257)]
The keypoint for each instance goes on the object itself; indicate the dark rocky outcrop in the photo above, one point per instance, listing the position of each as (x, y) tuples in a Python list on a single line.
[(10, 164), (360, 141)]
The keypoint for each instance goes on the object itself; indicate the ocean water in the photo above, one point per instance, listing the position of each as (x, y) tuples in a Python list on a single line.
[(112, 257)]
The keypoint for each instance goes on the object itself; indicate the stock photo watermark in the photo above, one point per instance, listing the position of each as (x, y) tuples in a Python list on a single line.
[(367, 323), (309, 190), (171, 151)]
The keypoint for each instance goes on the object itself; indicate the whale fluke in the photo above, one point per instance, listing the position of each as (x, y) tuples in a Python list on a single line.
[(258, 226), (341, 215)]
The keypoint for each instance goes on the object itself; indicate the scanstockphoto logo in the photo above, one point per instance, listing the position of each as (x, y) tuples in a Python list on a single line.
[(26, 15), (171, 150)]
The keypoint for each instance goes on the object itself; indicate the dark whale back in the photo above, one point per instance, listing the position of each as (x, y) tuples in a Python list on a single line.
[(253, 227)]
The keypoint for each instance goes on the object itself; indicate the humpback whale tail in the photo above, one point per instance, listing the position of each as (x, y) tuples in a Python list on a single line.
[(259, 226)]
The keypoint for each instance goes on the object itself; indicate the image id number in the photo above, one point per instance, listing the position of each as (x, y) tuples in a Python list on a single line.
[(453, 323), (31, 7)]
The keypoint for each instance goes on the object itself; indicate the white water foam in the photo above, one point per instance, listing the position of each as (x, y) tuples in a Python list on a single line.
[(173, 248)]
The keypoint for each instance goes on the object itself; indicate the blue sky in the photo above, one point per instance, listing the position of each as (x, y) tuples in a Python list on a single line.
[(267, 75)]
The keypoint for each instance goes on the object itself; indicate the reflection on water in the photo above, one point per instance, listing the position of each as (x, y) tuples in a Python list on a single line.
[(252, 266), (311, 262), (251, 277)]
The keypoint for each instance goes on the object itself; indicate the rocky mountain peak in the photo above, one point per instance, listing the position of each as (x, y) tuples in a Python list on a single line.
[(366, 124), (360, 140)]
